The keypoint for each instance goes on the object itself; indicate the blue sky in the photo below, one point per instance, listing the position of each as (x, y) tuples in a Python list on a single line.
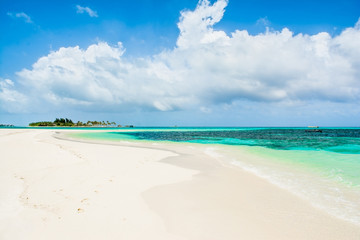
[(157, 40)]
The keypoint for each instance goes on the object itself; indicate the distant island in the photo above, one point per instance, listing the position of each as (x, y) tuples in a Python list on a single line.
[(65, 122), (6, 125)]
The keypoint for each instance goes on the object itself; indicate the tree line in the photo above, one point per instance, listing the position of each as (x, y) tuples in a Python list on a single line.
[(6, 125)]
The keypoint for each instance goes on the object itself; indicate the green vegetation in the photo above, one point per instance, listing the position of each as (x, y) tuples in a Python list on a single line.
[(42, 124), (6, 125), (65, 122)]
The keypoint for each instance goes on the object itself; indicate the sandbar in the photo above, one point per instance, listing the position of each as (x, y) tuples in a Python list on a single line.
[(55, 187)]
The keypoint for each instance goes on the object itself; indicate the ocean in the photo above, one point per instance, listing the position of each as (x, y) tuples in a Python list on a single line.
[(322, 167)]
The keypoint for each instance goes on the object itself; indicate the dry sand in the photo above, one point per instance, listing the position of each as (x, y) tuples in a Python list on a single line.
[(52, 188)]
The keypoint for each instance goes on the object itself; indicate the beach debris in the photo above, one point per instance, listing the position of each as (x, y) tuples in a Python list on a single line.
[(80, 210)]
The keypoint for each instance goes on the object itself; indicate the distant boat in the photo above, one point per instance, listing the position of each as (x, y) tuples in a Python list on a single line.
[(313, 129)]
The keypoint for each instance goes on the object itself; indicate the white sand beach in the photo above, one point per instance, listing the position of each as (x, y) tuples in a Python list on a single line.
[(56, 188)]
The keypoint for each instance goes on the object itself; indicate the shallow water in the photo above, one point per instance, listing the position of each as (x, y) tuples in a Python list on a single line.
[(322, 167)]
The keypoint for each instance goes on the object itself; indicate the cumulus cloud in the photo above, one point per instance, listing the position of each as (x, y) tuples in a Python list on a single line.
[(206, 68), (87, 10), (99, 76), (196, 26), (20, 15)]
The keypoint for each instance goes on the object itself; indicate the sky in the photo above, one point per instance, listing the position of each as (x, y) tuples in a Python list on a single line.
[(184, 63)]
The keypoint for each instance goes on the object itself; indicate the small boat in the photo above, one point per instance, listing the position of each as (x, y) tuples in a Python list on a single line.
[(313, 129)]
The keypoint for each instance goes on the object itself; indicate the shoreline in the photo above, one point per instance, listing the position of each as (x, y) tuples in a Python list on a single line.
[(335, 198), (168, 191)]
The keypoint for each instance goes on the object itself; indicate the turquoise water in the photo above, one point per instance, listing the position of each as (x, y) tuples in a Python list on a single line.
[(322, 167), (335, 140), (332, 152)]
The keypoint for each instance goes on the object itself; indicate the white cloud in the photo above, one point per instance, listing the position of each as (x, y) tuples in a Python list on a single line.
[(20, 15), (264, 21), (207, 68), (196, 26), (88, 10), (99, 76), (11, 100)]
